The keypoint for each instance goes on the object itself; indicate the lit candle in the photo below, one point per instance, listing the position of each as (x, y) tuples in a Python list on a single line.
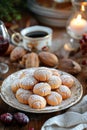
[(78, 25)]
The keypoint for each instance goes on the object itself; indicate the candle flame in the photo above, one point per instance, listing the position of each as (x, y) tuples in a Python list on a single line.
[(82, 8), (79, 18)]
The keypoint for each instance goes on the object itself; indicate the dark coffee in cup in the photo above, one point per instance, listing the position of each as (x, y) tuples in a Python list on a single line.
[(37, 34)]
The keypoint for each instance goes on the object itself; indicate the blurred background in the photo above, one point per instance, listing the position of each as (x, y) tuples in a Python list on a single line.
[(47, 12)]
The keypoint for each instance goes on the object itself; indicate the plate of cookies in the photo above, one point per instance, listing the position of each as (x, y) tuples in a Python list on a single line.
[(41, 90)]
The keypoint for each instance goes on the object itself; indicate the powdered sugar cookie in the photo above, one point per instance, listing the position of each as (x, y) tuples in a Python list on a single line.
[(15, 85), (28, 82), (54, 99), (42, 89), (42, 74), (27, 73), (36, 101), (64, 91), (23, 95), (55, 82), (67, 80), (55, 72)]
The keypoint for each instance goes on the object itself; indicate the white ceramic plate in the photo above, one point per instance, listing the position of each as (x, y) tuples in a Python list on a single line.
[(9, 98)]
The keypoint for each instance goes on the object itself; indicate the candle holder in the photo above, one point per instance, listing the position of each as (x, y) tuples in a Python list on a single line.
[(77, 23)]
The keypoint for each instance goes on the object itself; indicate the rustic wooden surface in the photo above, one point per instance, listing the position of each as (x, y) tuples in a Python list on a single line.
[(36, 120)]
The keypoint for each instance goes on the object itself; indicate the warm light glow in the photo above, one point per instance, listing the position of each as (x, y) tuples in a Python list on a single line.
[(82, 8), (78, 18), (68, 47), (78, 25)]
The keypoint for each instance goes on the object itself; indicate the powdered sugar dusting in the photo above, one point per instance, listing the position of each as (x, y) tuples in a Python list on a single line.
[(55, 81), (54, 95), (54, 98), (28, 81), (42, 86), (42, 89), (42, 74), (16, 82), (24, 94), (36, 98), (55, 72), (64, 88), (67, 80)]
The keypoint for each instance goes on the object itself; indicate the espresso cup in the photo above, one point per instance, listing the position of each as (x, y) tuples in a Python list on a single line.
[(36, 37)]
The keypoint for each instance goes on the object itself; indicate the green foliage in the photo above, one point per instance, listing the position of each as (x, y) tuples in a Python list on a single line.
[(11, 9)]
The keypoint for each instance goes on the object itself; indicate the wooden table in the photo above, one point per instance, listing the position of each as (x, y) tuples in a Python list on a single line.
[(36, 120)]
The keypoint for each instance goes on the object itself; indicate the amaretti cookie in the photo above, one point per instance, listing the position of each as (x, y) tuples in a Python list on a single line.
[(55, 72), (67, 80), (42, 74), (42, 89), (27, 73), (64, 91), (54, 98), (15, 85), (54, 82), (28, 82), (23, 95), (36, 101)]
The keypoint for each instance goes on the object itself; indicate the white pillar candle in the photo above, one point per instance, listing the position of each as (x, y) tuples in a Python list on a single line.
[(78, 25)]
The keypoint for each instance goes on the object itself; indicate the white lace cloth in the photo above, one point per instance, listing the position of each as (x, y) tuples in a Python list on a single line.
[(74, 119)]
